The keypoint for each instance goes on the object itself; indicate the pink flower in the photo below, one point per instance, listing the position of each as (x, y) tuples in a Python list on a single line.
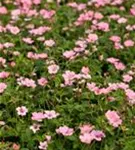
[(65, 131), (127, 78), (13, 29), (132, 11), (42, 56), (87, 16), (85, 70), (103, 26), (69, 54), (122, 85), (26, 82), (86, 138), (122, 20), (48, 138), (3, 86), (92, 87), (22, 111), (115, 38), (130, 95), (42, 81), (129, 43), (28, 40), (119, 66), (50, 114), (38, 116), (114, 16), (86, 128), (46, 13), (35, 127), (3, 10), (116, 62), (97, 135), (69, 77), (118, 45), (92, 38), (79, 7), (36, 2), (43, 145), (98, 15), (32, 12), (112, 60), (113, 118), (35, 56), (2, 61), (12, 64), (1, 46), (8, 44), (4, 75), (16, 146), (40, 30), (49, 43), (53, 69), (110, 99)]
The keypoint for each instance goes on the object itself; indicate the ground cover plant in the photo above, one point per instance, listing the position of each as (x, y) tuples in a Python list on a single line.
[(67, 75)]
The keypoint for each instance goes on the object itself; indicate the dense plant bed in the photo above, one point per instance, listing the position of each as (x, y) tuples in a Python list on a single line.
[(67, 75)]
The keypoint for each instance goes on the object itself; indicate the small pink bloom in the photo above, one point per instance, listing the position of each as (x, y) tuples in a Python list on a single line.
[(69, 77), (50, 114), (22, 111), (97, 135), (127, 78), (53, 69), (129, 43), (49, 43), (118, 45), (113, 118), (28, 40), (35, 127), (86, 138), (2, 61), (46, 14), (92, 87), (69, 54), (115, 38), (103, 26), (122, 20), (48, 138), (114, 16), (8, 44), (3, 10), (12, 64), (40, 30), (3, 86), (43, 145), (86, 128), (130, 95), (92, 38), (85, 70), (42, 81), (4, 75), (13, 29), (16, 147), (119, 66), (65, 131), (26, 82), (38, 116), (98, 15), (132, 11), (36, 2)]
